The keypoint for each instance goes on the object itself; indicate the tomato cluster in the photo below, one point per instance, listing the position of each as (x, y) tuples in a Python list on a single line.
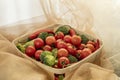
[(67, 45)]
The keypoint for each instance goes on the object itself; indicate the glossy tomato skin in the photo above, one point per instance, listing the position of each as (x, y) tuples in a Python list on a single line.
[(81, 46), (72, 32), (63, 62), (91, 42), (37, 54), (38, 42), (47, 48), (91, 47), (62, 53), (50, 40), (61, 44), (71, 50), (59, 35), (76, 40), (85, 52), (68, 39), (78, 55), (30, 51)]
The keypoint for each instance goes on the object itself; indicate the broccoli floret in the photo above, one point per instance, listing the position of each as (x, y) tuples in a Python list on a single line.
[(30, 43), (21, 47), (64, 28), (54, 51), (49, 60), (61, 77), (84, 39), (50, 34), (43, 54), (72, 59), (43, 35)]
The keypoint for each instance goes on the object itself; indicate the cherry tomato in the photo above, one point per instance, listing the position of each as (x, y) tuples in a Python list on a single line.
[(38, 42), (71, 50), (37, 54), (59, 35), (85, 52), (76, 40), (50, 40), (47, 48), (91, 42), (61, 44), (30, 51), (90, 46), (63, 62), (97, 44), (81, 46), (62, 53), (78, 55), (68, 38), (72, 32)]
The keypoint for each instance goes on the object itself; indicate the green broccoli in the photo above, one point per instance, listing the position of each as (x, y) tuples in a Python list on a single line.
[(61, 77), (30, 43), (72, 59), (64, 28), (49, 60), (43, 35), (20, 47), (84, 39), (43, 54), (54, 51), (50, 34)]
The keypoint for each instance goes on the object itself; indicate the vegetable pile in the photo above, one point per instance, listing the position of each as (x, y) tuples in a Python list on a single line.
[(58, 48)]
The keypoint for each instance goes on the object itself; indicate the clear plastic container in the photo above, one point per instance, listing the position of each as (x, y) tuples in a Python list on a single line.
[(72, 67)]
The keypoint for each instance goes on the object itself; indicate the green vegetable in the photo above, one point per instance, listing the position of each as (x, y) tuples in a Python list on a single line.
[(30, 43), (55, 51), (60, 77), (64, 28), (84, 39), (50, 34), (43, 54), (43, 35), (49, 60), (72, 59), (21, 47)]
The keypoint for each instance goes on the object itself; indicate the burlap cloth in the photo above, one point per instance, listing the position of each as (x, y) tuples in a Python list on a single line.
[(15, 67)]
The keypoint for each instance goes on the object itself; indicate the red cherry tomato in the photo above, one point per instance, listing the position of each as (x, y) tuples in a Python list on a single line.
[(38, 42), (72, 32), (85, 52), (76, 40), (81, 46), (90, 46), (30, 51), (68, 38), (97, 44), (63, 62), (47, 48), (78, 55), (71, 50), (61, 44), (50, 40), (37, 54), (91, 42), (62, 53), (59, 35)]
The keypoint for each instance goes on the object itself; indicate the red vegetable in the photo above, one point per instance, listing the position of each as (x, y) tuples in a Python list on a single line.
[(76, 40), (68, 39), (37, 54), (30, 51), (50, 40), (47, 48), (59, 35), (72, 32), (62, 53), (38, 42), (63, 62)]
